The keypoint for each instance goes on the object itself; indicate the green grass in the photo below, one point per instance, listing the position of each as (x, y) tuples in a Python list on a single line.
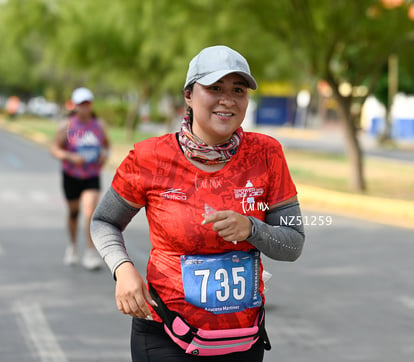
[(384, 178), (48, 128), (118, 136)]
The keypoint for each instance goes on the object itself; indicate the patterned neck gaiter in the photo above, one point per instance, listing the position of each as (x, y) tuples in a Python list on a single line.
[(195, 149)]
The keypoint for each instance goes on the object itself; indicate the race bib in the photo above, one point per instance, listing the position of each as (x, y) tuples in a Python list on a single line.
[(222, 283), (90, 153)]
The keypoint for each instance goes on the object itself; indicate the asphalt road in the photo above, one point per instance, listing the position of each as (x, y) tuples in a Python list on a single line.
[(350, 297)]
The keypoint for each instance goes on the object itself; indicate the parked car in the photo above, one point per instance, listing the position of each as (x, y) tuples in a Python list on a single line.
[(39, 106)]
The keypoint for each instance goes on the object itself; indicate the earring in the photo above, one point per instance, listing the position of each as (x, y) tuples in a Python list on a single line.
[(189, 113)]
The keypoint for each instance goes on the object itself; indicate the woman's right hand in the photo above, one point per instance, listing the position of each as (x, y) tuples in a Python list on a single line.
[(76, 159), (131, 292)]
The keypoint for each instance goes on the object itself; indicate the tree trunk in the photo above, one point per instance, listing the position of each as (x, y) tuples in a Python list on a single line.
[(131, 119), (132, 116), (354, 153), (392, 91), (385, 134), (352, 146)]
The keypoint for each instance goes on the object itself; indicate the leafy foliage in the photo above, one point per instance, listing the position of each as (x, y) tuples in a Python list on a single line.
[(139, 49), (140, 45)]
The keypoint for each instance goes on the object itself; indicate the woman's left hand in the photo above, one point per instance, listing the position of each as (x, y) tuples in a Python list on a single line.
[(103, 156), (230, 225)]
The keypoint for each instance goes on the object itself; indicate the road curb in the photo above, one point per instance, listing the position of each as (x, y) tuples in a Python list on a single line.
[(14, 127), (382, 210)]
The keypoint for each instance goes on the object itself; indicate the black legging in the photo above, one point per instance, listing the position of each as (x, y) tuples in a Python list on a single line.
[(150, 343)]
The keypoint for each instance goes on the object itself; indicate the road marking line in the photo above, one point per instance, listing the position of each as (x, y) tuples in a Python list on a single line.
[(9, 195), (39, 332), (38, 195)]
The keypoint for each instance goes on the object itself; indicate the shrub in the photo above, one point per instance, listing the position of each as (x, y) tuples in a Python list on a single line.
[(113, 113)]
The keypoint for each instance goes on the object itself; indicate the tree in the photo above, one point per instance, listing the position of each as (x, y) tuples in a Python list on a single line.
[(28, 66), (143, 47), (134, 45), (401, 81), (342, 42), (22, 56)]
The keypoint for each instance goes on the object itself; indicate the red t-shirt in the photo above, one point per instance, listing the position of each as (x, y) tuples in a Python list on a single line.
[(157, 174)]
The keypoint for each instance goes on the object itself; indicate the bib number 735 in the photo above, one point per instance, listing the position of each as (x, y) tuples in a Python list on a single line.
[(222, 283), (238, 289)]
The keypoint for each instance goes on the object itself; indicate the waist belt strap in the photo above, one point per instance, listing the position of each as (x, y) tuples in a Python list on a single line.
[(169, 317), (182, 330)]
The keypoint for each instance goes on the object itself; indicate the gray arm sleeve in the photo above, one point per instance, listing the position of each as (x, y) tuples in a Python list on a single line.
[(282, 235), (111, 217)]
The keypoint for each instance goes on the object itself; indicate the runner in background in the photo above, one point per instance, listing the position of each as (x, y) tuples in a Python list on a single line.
[(213, 196), (82, 144), (12, 106)]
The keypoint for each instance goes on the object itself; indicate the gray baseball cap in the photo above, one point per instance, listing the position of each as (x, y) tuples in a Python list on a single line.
[(213, 63)]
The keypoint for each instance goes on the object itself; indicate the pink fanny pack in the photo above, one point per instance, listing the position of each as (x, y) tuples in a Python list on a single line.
[(202, 342)]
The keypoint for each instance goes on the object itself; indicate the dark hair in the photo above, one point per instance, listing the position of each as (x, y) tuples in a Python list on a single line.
[(189, 110), (72, 112)]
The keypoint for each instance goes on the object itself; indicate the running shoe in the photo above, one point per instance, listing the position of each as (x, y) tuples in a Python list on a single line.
[(71, 256), (91, 259)]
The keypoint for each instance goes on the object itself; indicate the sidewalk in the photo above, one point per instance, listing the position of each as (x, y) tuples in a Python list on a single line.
[(313, 199)]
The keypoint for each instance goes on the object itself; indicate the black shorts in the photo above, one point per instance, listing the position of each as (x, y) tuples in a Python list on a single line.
[(73, 187), (150, 343)]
